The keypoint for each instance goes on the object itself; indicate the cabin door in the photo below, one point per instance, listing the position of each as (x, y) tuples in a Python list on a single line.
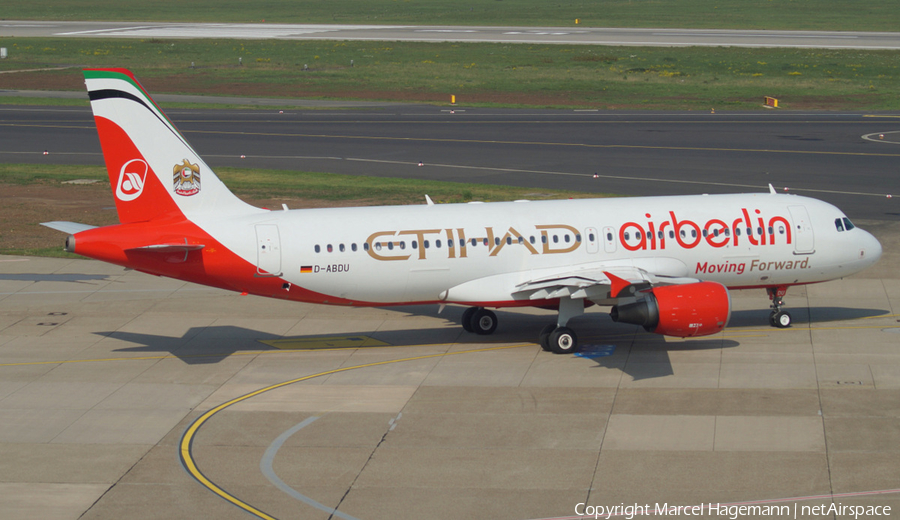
[(804, 240), (268, 250)]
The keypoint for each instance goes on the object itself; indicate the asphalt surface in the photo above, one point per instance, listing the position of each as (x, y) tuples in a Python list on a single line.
[(124, 395), (848, 159), (573, 35)]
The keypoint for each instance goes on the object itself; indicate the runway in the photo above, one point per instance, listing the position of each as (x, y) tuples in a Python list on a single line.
[(837, 157), (540, 35), (127, 396)]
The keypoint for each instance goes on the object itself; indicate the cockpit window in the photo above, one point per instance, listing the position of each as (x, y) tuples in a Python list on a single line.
[(838, 224), (847, 224)]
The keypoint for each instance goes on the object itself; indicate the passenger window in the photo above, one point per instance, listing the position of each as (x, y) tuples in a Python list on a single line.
[(366, 246), (683, 234), (705, 233), (318, 249), (508, 240), (330, 249), (555, 239), (627, 235), (671, 234), (771, 230), (531, 239), (377, 246), (437, 243), (591, 237), (715, 232), (759, 231), (342, 248), (402, 244), (543, 239), (578, 237), (353, 247), (415, 244), (566, 238), (474, 242), (496, 241), (749, 232), (780, 230), (727, 232), (609, 237), (693, 233), (426, 244), (737, 232), (520, 240), (391, 246), (450, 244), (486, 241)]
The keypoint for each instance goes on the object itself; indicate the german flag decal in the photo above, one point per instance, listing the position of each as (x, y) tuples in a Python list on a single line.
[(306, 269)]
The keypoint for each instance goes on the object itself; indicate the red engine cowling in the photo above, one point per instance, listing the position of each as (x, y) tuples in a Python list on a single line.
[(695, 309)]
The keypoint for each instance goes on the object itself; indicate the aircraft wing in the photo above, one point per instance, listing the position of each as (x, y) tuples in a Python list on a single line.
[(600, 282)]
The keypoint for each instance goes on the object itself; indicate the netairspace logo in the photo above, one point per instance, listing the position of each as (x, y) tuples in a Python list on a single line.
[(731, 511)]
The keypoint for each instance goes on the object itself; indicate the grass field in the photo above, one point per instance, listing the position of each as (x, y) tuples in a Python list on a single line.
[(497, 74), (329, 188), (838, 15), (30, 194)]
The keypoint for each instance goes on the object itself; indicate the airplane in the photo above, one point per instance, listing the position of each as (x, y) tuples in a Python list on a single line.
[(664, 263)]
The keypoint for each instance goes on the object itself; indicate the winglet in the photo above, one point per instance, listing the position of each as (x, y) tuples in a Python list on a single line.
[(772, 189), (616, 284), (428, 200)]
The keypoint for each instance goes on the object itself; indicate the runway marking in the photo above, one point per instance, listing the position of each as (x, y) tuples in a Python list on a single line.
[(880, 137), (541, 143), (323, 342), (187, 438), (266, 466), (618, 177)]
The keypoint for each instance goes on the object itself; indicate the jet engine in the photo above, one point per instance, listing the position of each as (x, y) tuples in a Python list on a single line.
[(695, 309)]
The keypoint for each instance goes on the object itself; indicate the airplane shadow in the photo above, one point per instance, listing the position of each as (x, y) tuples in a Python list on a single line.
[(803, 315), (628, 348), (198, 345), (40, 277)]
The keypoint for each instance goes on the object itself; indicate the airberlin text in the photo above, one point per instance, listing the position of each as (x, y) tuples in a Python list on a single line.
[(731, 511), (688, 234)]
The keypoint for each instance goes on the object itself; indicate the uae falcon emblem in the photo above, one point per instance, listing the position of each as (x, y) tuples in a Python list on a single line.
[(187, 178)]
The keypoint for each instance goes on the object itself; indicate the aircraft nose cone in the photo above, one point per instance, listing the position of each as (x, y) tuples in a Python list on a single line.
[(870, 250)]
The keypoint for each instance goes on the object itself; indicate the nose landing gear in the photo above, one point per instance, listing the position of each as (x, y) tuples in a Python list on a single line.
[(778, 318)]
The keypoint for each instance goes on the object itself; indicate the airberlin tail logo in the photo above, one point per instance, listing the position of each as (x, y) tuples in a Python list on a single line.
[(131, 180)]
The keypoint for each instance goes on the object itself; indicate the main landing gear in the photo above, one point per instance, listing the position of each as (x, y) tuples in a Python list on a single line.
[(778, 318), (557, 338), (479, 320)]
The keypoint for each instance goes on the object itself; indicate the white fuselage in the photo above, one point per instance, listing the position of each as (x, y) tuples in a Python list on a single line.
[(403, 254)]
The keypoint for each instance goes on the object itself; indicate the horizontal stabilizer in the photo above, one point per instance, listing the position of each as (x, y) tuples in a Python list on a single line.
[(168, 248), (67, 227)]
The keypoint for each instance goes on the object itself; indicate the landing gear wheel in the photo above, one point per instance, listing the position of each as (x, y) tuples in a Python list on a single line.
[(467, 319), (781, 319), (483, 322), (563, 341), (544, 337)]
